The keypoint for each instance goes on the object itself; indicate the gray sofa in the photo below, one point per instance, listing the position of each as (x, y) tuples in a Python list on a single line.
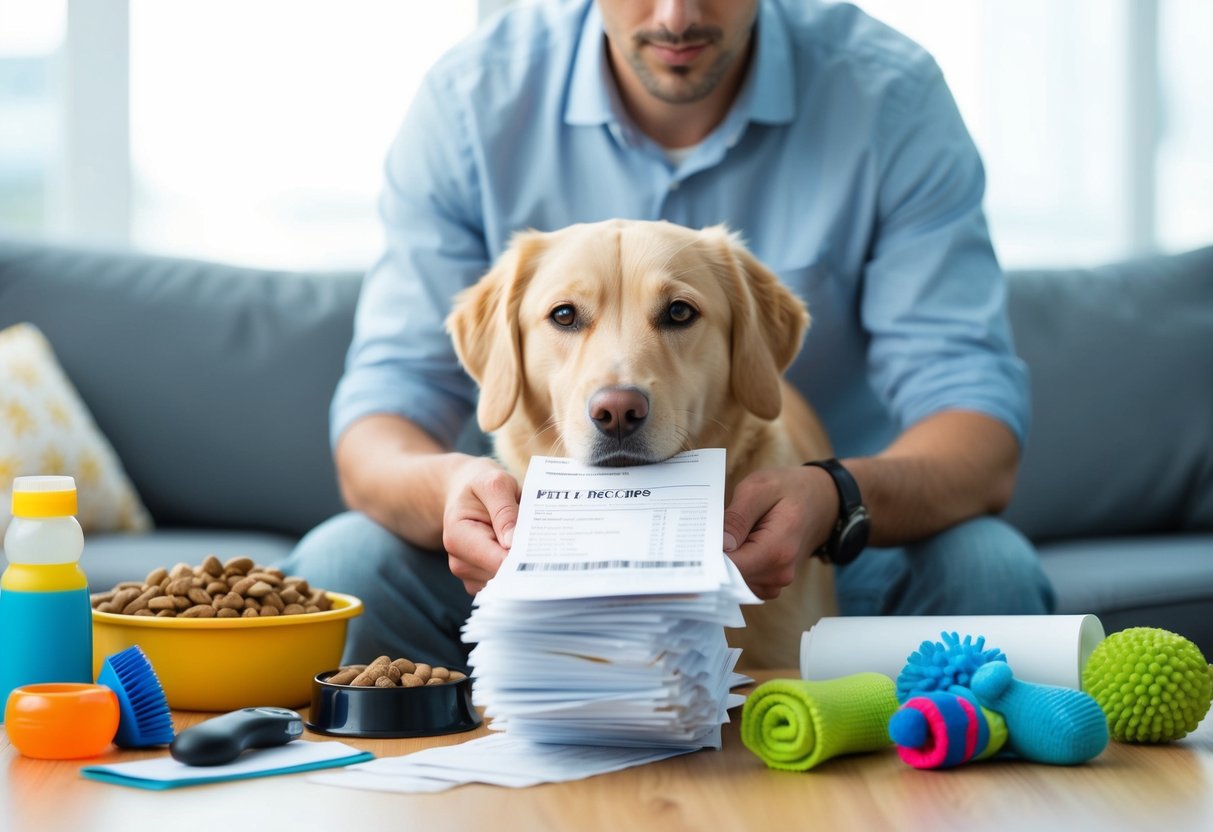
[(212, 383)]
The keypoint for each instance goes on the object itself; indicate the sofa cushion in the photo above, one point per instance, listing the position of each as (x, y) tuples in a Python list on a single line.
[(46, 429), (1158, 581), (1121, 361), (212, 382)]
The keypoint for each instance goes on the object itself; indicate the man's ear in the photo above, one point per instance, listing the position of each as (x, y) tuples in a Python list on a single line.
[(484, 328), (769, 323)]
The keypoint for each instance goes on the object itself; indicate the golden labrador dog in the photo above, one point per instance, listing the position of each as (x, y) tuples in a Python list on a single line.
[(627, 342)]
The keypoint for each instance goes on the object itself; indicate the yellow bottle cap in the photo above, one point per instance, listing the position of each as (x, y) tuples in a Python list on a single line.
[(44, 497)]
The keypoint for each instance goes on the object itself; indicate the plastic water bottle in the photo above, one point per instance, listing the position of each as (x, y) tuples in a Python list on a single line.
[(46, 628)]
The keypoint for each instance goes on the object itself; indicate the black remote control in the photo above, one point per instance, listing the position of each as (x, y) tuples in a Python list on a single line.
[(224, 738)]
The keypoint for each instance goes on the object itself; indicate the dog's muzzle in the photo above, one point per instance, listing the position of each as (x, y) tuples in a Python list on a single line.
[(618, 414)]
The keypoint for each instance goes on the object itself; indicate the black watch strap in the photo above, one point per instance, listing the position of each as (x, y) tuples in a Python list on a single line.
[(850, 533)]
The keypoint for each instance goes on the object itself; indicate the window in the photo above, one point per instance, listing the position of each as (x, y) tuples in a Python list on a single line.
[(1042, 87), (1185, 152), (259, 130), (31, 41), (255, 132)]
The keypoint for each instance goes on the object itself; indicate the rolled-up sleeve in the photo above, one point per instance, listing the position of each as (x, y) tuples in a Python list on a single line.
[(934, 298), (401, 360)]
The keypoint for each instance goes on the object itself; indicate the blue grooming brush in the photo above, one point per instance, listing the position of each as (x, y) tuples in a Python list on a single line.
[(143, 714)]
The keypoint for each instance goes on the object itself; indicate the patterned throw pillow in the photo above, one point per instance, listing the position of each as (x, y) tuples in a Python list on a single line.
[(45, 428)]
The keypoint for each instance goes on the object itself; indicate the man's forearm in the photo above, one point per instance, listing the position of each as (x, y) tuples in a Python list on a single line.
[(949, 467), (398, 475)]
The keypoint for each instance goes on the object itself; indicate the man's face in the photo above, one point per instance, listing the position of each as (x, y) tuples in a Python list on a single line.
[(678, 50)]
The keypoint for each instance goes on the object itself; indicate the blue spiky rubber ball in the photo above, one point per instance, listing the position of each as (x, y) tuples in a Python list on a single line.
[(943, 665), (1152, 684)]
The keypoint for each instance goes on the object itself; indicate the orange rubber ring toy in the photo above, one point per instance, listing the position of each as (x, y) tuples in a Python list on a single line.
[(61, 720)]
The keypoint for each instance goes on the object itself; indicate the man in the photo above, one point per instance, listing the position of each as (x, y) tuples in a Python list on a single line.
[(833, 145)]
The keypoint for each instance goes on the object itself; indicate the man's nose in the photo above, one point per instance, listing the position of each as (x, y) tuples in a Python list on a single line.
[(676, 16)]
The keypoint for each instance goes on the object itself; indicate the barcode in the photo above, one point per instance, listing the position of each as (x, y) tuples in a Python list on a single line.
[(584, 565)]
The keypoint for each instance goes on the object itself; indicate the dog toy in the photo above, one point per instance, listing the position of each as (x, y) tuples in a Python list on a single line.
[(144, 717), (794, 725), (1045, 723), (941, 730), (941, 666), (1153, 685)]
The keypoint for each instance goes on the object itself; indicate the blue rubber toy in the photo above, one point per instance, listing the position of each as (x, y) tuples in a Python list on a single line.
[(942, 666), (1045, 723)]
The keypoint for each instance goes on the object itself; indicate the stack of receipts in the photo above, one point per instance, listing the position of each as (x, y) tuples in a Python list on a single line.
[(604, 626), (600, 642)]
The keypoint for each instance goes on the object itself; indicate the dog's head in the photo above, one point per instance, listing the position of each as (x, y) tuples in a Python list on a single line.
[(621, 342)]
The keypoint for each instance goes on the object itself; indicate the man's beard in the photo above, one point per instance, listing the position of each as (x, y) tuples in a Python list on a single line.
[(680, 90)]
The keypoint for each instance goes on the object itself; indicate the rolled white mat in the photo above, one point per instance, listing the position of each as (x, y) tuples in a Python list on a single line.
[(1046, 649)]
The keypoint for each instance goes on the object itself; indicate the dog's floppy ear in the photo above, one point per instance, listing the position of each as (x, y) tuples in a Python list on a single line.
[(769, 323), (484, 328)]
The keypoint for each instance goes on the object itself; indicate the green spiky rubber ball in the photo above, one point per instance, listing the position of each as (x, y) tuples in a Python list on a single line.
[(1153, 685)]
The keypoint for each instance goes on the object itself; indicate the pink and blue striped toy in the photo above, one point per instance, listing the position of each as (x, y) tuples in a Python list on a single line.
[(937, 729)]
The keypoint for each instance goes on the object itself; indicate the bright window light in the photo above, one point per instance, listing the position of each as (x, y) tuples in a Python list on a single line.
[(1185, 157), (259, 129), (1041, 86), (31, 37)]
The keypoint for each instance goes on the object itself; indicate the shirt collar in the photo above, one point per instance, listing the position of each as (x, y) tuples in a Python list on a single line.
[(591, 85), (773, 100)]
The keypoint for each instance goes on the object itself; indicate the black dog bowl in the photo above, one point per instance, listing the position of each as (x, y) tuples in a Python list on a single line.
[(346, 711)]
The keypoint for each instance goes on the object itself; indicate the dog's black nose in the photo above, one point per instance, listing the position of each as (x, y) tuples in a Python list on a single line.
[(619, 411)]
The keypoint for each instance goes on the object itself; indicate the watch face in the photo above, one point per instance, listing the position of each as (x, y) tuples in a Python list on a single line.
[(853, 537)]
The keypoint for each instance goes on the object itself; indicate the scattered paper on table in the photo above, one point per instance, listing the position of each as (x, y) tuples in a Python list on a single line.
[(166, 773), (498, 760)]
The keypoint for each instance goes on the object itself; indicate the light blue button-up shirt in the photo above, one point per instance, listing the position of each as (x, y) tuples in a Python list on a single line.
[(843, 162)]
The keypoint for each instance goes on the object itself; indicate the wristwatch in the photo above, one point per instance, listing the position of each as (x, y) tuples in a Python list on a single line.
[(851, 529)]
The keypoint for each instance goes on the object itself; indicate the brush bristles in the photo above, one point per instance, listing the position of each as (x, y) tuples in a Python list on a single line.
[(145, 717)]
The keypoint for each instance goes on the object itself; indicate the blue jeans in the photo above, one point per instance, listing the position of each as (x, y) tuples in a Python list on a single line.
[(414, 607), (980, 567)]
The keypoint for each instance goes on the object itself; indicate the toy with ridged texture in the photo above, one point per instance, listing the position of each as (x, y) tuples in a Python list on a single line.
[(1045, 723), (795, 725), (1152, 684)]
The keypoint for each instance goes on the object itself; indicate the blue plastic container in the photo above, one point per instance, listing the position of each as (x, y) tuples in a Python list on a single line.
[(46, 628)]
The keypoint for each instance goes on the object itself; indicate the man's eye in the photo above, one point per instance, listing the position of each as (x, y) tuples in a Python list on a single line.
[(681, 313), (564, 315)]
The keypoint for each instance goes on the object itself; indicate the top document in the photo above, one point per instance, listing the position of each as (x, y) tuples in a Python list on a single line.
[(586, 532)]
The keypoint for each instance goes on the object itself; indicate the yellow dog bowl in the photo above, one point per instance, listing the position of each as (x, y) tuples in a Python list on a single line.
[(223, 664)]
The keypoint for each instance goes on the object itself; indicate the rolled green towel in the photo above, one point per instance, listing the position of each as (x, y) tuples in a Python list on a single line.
[(795, 725)]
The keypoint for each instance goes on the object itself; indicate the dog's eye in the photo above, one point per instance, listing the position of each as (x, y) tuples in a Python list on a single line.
[(681, 313), (564, 315)]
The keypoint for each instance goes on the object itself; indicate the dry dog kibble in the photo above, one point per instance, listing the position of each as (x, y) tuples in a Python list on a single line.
[(385, 672), (237, 588), (344, 677)]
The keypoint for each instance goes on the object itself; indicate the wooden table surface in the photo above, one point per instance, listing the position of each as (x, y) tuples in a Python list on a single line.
[(1127, 787)]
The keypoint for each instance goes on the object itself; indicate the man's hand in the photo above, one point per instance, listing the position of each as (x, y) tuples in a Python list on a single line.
[(395, 473), (478, 521), (776, 518)]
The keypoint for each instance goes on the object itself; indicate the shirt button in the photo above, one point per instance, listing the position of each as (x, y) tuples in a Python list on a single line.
[(674, 185)]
